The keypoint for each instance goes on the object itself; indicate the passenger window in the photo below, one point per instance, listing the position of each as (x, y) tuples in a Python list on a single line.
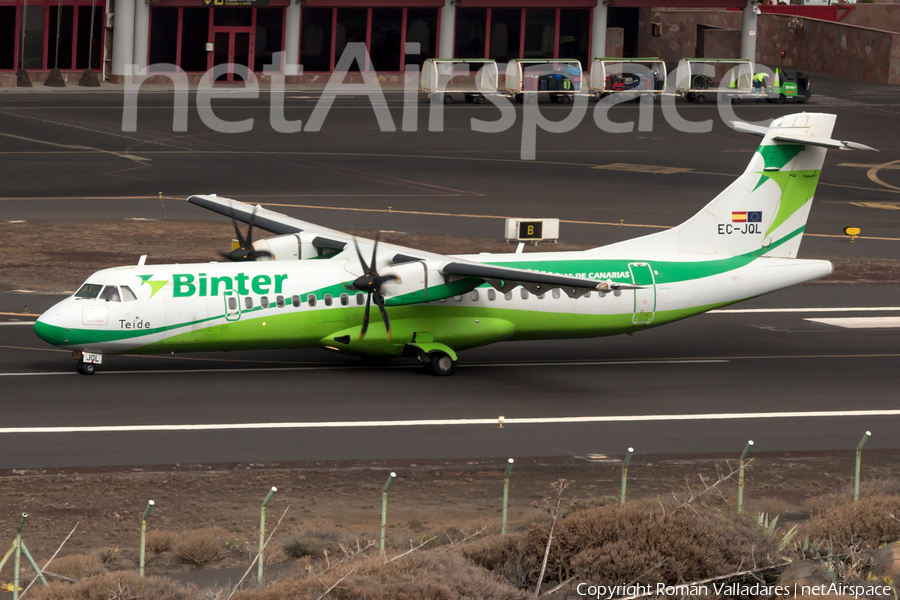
[(279, 300), (232, 303), (89, 290), (540, 296), (311, 299), (556, 293), (248, 302), (360, 299), (345, 299), (264, 302), (588, 295), (508, 295), (474, 295), (524, 293), (127, 294), (457, 298), (492, 294), (327, 299), (111, 294), (295, 300)]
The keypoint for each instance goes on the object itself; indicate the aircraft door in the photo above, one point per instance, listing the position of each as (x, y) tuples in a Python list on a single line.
[(232, 305), (644, 298)]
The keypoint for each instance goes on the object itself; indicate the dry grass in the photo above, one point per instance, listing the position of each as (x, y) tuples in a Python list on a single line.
[(425, 575), (871, 522), (202, 546), (77, 566), (769, 505), (159, 541), (122, 585), (313, 538)]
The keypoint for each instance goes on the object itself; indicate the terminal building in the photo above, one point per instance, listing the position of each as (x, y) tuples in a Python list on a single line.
[(194, 35)]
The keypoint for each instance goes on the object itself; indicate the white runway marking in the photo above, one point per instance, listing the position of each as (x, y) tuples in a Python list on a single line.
[(736, 311), (410, 366), (17, 323), (860, 322), (455, 422)]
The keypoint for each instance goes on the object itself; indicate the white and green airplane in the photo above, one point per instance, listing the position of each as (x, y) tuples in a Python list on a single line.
[(312, 287)]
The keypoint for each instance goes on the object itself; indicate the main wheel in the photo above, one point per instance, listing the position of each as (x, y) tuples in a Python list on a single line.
[(691, 96), (479, 99), (470, 98), (520, 98), (554, 98), (440, 363), (701, 98), (779, 99), (448, 99)]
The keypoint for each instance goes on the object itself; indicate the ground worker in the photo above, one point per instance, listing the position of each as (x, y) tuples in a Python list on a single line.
[(759, 83)]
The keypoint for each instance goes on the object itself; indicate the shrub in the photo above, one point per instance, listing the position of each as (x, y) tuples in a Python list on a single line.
[(614, 543), (201, 546), (870, 521), (424, 575), (312, 538), (108, 555), (159, 541), (76, 566), (119, 585)]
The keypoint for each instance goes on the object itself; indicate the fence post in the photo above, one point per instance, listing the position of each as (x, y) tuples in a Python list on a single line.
[(18, 556), (625, 474), (262, 535), (740, 506), (505, 495), (144, 534), (858, 465), (384, 496)]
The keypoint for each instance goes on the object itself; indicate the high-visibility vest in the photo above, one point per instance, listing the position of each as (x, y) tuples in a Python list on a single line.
[(760, 77)]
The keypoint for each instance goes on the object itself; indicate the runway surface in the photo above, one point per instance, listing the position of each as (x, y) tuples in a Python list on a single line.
[(828, 355), (703, 385)]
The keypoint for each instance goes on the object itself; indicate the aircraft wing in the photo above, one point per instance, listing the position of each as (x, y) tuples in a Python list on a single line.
[(505, 279), (501, 278)]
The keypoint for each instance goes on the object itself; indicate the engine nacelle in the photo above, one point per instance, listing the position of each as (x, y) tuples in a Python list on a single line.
[(292, 246), (420, 282)]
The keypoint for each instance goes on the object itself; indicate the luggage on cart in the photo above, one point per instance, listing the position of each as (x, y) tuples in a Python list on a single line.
[(554, 82)]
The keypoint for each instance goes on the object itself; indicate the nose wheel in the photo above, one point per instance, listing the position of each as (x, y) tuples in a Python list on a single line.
[(85, 368)]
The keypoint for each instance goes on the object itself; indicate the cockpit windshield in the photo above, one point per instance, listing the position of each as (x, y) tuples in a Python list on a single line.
[(111, 294), (89, 290)]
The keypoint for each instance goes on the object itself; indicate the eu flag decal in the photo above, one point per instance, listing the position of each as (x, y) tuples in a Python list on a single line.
[(752, 216)]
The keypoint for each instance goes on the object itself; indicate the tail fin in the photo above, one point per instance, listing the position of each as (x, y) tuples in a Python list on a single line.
[(768, 205)]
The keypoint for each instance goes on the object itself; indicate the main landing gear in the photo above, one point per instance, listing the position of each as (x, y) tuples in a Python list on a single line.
[(437, 362)]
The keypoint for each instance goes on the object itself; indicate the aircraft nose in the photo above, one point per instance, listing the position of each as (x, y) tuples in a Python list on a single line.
[(48, 328)]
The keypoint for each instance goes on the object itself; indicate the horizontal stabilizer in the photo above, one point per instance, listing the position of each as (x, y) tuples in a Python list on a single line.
[(798, 138)]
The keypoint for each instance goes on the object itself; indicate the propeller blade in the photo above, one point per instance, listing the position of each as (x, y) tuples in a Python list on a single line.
[(250, 230), (365, 325), (375, 251), (237, 231), (362, 261), (387, 322)]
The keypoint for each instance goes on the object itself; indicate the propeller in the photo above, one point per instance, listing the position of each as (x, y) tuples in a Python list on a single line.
[(370, 282), (244, 252)]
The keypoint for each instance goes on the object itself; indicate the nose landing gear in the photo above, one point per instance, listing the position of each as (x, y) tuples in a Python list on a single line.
[(87, 362)]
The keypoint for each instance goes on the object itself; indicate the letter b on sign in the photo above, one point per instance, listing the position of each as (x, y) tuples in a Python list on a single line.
[(531, 230), (184, 286)]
